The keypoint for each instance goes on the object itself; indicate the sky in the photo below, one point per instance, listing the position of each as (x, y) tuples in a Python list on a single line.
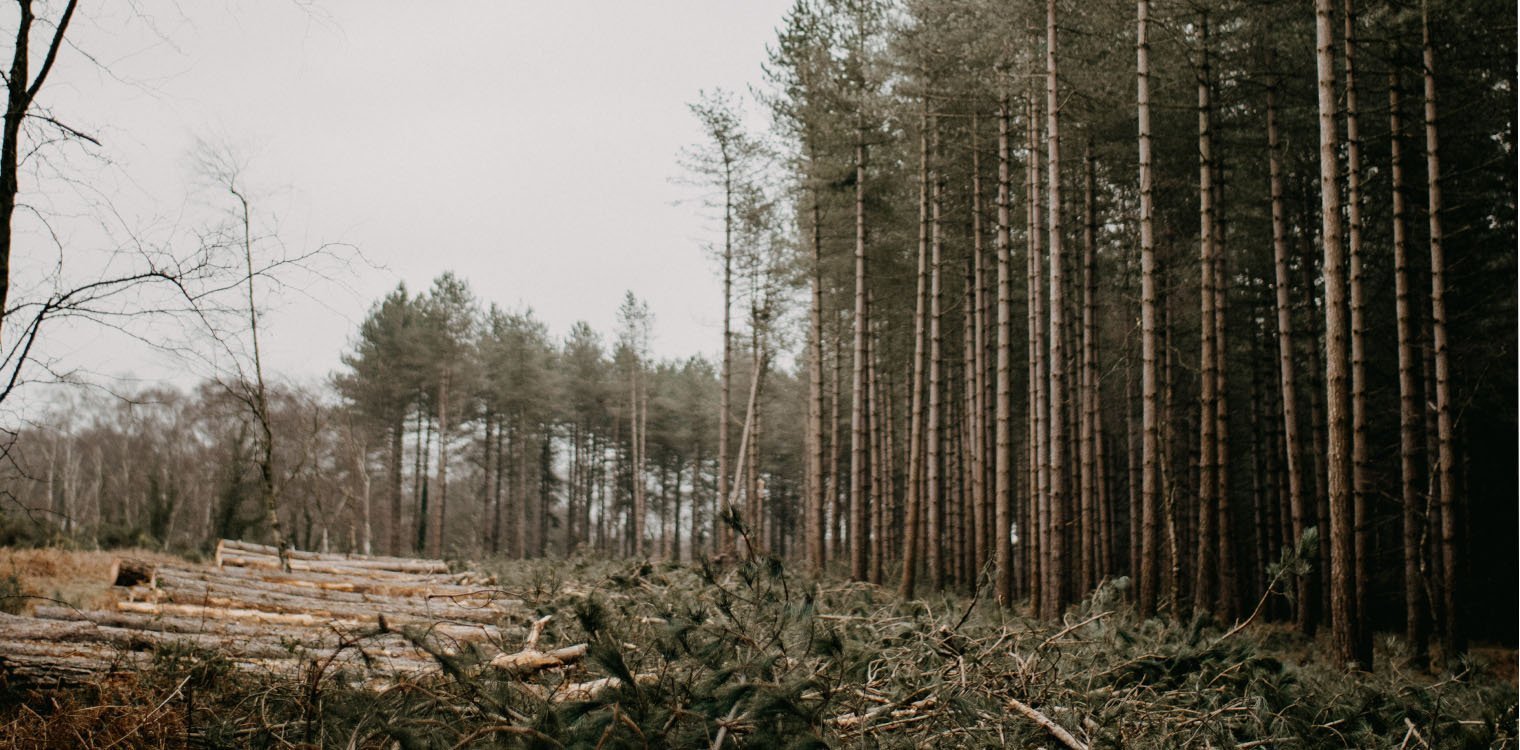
[(530, 147)]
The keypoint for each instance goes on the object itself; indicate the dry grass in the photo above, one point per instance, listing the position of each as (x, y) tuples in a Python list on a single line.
[(109, 714), (75, 578)]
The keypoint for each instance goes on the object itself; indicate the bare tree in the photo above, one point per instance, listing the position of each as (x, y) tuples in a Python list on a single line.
[(21, 89)]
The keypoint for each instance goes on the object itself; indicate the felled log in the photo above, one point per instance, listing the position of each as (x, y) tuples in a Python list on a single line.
[(31, 662), (232, 595), (139, 631), (243, 554), (441, 586), (253, 548), (324, 636), (391, 585), (481, 607), (452, 630), (13, 628), (241, 560)]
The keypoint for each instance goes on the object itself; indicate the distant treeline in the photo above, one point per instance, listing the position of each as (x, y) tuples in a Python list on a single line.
[(451, 429)]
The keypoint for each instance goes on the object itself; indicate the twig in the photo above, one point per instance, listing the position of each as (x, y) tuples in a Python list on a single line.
[(1068, 629), (504, 729), (723, 727), (1056, 730), (1414, 731)]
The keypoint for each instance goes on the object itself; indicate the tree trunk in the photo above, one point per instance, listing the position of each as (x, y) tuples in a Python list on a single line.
[(976, 367), (859, 449), (1150, 444), (1228, 577), (916, 408), (1416, 616), (837, 513), (878, 475), (440, 509), (816, 523), (725, 540), (1003, 489), (934, 461), (1208, 399), (496, 490), (1092, 535), (398, 431), (1039, 407), (420, 478), (1360, 472), (1057, 497), (1344, 627), (1303, 600), (21, 89), (1453, 640)]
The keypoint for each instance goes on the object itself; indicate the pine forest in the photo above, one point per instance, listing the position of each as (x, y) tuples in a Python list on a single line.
[(1086, 375)]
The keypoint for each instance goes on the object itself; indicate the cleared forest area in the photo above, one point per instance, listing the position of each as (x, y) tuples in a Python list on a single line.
[(1083, 374), (596, 653)]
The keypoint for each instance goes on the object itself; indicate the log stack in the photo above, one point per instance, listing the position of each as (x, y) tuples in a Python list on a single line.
[(377, 619)]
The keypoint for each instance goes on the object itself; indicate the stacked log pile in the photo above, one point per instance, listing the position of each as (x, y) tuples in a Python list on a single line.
[(374, 619)]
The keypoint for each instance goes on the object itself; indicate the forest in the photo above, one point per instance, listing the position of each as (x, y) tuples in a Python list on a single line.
[(1205, 310)]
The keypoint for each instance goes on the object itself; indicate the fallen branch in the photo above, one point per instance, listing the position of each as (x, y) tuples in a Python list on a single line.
[(897, 712), (572, 692), (1056, 730), (530, 660), (1068, 629)]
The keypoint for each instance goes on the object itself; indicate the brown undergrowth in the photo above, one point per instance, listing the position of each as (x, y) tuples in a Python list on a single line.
[(752, 654)]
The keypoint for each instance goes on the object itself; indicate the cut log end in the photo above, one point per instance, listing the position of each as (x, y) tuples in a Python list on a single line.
[(128, 572)]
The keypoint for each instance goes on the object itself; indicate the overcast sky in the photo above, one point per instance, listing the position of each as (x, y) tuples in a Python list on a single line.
[(528, 146)]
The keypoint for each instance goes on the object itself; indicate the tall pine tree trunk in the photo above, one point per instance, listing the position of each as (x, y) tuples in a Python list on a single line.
[(915, 507), (1092, 545), (976, 363), (933, 477), (1343, 615), (1059, 468), (1003, 490), (1416, 613), (1039, 407), (1208, 400), (1150, 443), (816, 523), (1303, 600), (440, 508), (725, 541), (398, 432), (1360, 471), (1228, 577), (1453, 639), (837, 511), (859, 449)]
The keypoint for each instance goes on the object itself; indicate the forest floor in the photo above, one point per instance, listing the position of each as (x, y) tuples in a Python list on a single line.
[(753, 654)]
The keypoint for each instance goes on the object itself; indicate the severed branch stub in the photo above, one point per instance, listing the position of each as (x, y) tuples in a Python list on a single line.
[(1056, 730), (530, 660)]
